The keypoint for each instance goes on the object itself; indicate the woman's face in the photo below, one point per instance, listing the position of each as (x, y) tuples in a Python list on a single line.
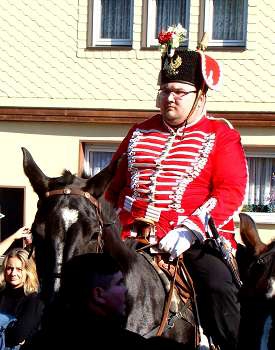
[(14, 273)]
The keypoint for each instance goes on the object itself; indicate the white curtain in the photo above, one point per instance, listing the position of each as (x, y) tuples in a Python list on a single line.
[(261, 181), (98, 160), (115, 19), (170, 12), (228, 19)]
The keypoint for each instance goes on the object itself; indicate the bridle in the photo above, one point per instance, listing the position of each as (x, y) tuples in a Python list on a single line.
[(77, 192)]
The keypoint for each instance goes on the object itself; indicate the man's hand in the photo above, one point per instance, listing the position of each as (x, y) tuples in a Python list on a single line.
[(177, 241)]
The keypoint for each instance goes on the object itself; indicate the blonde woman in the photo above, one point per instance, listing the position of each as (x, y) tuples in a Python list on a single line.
[(19, 298)]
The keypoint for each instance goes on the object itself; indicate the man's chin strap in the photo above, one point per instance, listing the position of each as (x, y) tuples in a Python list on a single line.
[(195, 104)]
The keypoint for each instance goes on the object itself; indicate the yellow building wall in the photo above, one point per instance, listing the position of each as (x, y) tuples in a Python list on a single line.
[(54, 147)]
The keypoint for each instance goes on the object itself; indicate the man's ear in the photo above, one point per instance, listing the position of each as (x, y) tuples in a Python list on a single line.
[(201, 100), (98, 295), (158, 100)]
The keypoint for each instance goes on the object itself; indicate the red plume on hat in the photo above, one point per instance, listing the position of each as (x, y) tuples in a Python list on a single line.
[(210, 68)]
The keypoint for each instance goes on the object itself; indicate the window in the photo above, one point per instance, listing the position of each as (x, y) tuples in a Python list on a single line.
[(110, 23), (226, 22), (12, 207), (163, 13), (261, 189), (96, 157)]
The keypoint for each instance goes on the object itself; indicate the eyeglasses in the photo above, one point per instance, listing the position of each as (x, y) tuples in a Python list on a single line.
[(177, 93)]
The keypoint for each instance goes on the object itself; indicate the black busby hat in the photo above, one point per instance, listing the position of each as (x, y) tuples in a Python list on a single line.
[(186, 66)]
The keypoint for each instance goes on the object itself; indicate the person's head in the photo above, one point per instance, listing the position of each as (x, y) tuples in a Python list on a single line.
[(20, 271), (184, 79), (94, 281)]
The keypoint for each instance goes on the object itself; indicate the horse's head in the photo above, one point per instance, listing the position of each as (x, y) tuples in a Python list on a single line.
[(68, 219), (260, 262), (258, 292)]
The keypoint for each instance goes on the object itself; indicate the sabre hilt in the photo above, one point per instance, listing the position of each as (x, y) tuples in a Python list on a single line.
[(225, 253)]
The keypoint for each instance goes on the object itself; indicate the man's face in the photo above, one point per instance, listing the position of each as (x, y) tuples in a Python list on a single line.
[(175, 101), (115, 296)]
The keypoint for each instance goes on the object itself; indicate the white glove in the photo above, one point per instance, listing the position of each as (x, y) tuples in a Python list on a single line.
[(177, 241)]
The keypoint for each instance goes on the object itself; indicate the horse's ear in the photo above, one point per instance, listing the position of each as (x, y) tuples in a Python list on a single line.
[(249, 234), (98, 183), (38, 179)]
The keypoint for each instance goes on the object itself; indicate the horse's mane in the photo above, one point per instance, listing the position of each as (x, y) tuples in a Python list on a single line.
[(66, 178)]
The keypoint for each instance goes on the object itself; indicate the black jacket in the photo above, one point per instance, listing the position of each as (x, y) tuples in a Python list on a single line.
[(27, 309), (76, 330)]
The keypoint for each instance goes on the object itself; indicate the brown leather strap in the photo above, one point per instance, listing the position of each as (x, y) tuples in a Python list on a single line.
[(181, 285), (168, 302), (192, 289), (76, 192), (73, 191)]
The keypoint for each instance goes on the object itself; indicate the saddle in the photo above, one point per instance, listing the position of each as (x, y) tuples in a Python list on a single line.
[(175, 277), (143, 230)]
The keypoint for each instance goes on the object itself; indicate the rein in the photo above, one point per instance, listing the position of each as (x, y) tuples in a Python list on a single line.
[(169, 315)]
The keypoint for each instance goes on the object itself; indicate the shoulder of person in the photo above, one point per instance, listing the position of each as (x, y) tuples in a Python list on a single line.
[(32, 300), (221, 123), (149, 122)]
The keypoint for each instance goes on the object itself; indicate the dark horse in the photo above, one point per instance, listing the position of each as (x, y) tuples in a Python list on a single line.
[(257, 268), (70, 216)]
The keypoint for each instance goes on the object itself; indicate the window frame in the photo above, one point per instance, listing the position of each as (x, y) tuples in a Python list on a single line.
[(149, 15), (208, 27), (257, 152), (90, 147), (94, 26), (14, 211)]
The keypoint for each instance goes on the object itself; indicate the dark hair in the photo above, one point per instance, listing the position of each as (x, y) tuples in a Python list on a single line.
[(84, 272)]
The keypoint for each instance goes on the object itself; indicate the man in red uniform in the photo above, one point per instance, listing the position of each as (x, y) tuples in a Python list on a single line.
[(176, 169)]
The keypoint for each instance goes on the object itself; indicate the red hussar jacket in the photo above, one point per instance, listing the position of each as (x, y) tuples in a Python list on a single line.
[(177, 177)]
